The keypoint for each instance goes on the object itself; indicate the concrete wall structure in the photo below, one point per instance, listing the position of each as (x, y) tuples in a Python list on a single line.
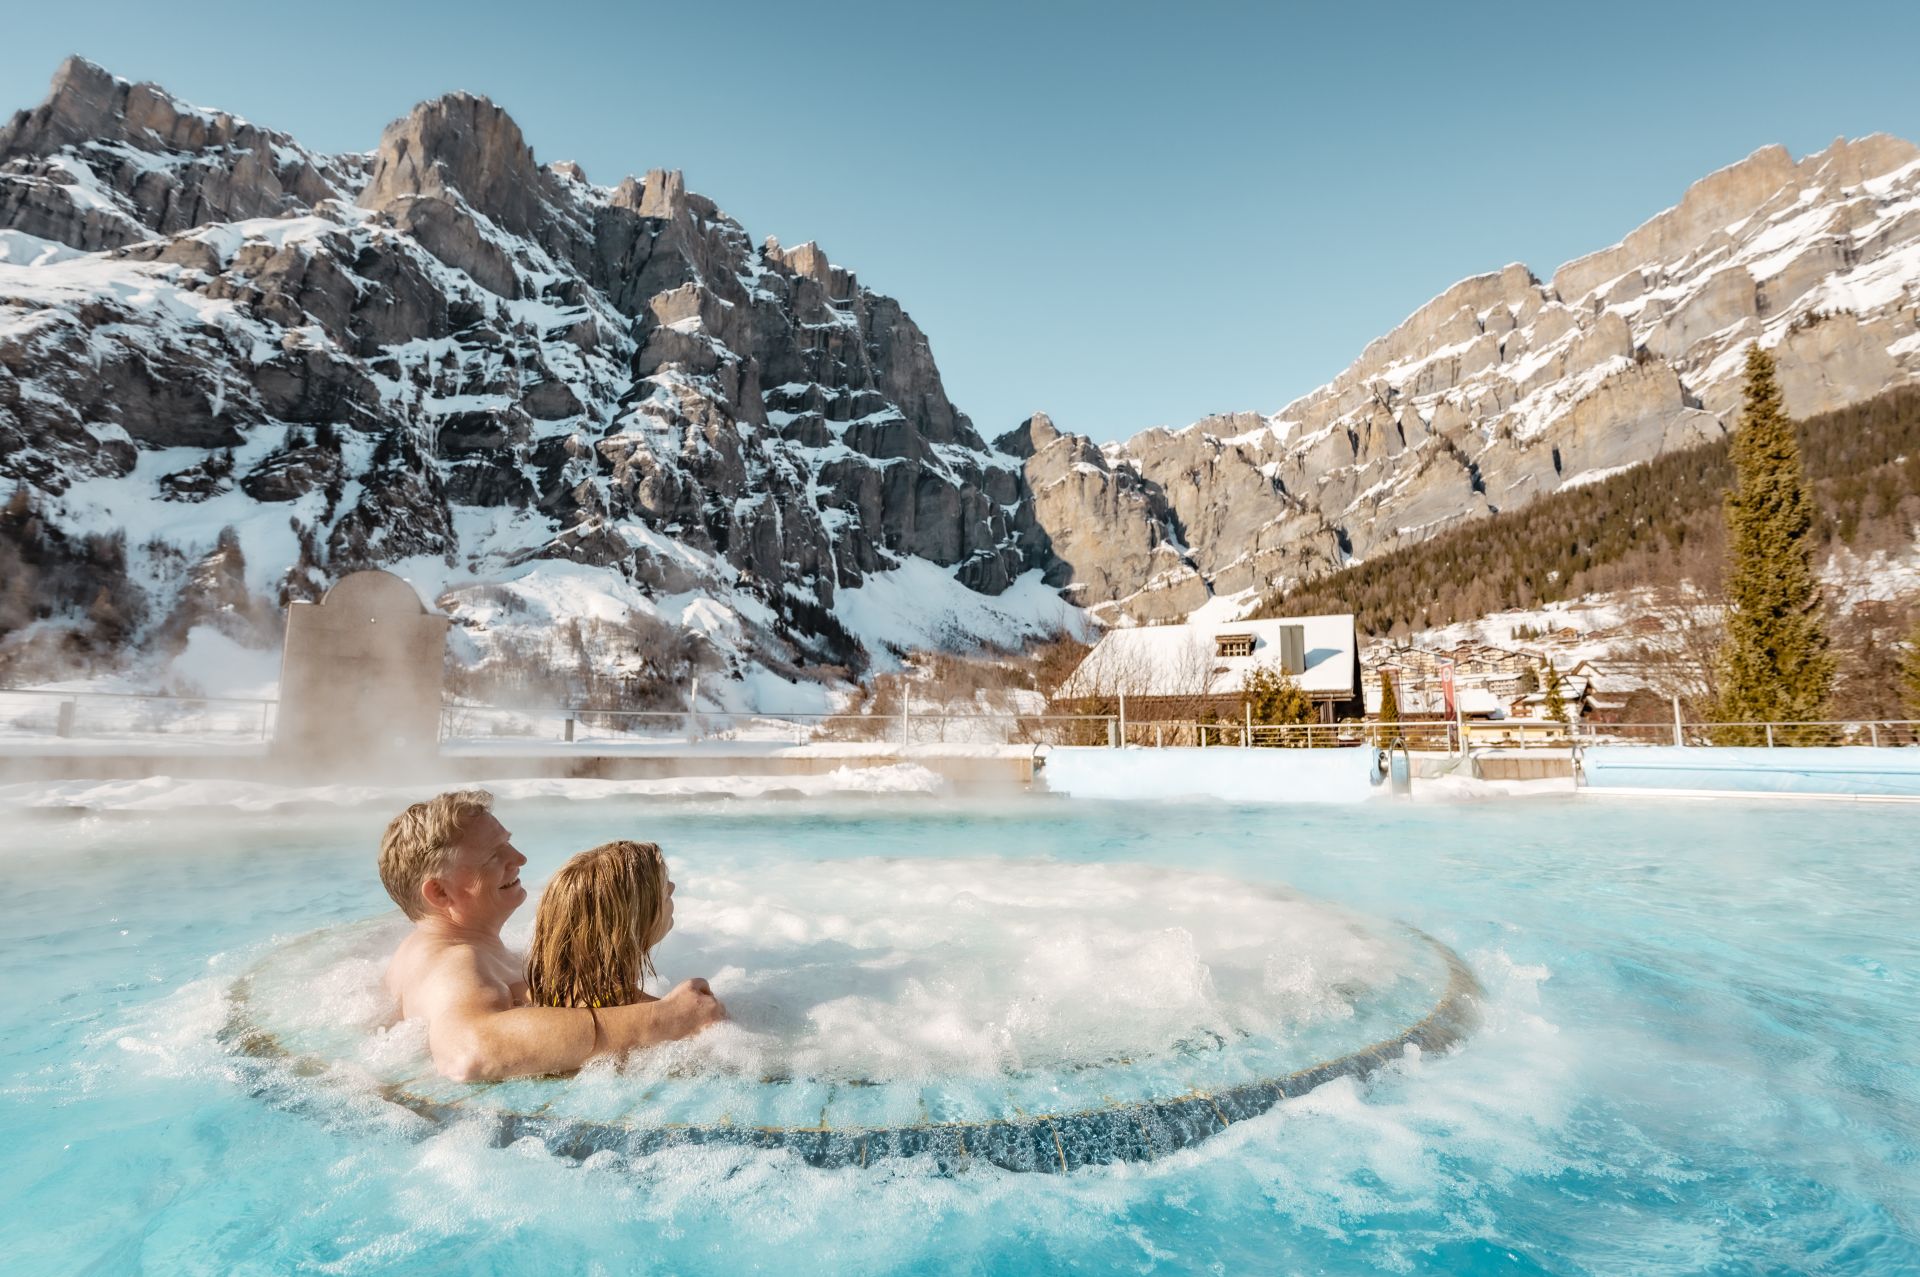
[(1224, 774), (1854, 771), (362, 675)]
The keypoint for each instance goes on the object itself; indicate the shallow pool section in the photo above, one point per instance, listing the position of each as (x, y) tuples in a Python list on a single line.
[(1696, 1053)]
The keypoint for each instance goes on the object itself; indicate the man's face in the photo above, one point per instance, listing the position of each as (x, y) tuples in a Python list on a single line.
[(482, 889)]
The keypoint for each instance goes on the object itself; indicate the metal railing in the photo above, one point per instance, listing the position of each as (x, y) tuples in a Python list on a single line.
[(1218, 733), (88, 719), (918, 726), (101, 718)]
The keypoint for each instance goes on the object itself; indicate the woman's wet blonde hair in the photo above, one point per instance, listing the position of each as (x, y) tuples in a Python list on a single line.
[(591, 932)]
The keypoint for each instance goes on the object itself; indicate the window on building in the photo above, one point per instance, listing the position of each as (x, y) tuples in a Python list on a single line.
[(1233, 645)]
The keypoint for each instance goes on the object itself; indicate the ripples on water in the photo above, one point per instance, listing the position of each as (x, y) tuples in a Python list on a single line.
[(1698, 1051)]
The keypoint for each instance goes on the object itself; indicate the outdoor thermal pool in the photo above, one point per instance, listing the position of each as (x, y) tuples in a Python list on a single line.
[(1696, 1045)]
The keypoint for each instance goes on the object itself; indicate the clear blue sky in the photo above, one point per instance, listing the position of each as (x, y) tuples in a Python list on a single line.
[(1124, 215)]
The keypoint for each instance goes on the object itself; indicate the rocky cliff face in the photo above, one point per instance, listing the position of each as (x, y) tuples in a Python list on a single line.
[(1505, 387), (451, 360), (233, 369)]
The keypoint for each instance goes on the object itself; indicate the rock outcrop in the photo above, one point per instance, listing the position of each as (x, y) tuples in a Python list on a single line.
[(102, 163)]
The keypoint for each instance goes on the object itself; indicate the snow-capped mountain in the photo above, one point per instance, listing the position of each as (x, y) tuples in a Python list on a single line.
[(233, 369), (534, 396), (1505, 387)]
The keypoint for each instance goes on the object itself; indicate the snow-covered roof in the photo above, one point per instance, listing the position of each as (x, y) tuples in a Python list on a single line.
[(1183, 660)]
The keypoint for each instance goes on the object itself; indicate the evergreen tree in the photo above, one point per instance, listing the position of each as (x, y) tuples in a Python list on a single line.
[(1556, 703), (1274, 699), (1389, 698), (1775, 666)]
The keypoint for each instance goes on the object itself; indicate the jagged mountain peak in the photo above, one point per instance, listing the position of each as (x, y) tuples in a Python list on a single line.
[(662, 193), (1715, 209), (461, 143), (104, 162), (810, 259), (1502, 387), (1029, 437), (541, 397), (87, 103), (506, 382)]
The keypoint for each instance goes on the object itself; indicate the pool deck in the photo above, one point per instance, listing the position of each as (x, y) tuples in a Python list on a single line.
[(1857, 773), (964, 765)]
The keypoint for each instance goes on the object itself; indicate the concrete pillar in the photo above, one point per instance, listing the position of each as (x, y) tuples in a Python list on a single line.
[(362, 676)]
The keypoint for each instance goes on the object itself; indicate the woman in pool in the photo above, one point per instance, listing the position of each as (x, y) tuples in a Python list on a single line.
[(598, 922)]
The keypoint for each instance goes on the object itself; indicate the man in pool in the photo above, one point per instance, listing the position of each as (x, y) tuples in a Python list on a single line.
[(453, 869)]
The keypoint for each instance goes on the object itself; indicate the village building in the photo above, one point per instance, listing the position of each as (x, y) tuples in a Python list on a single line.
[(1489, 681), (1198, 672), (1427, 703)]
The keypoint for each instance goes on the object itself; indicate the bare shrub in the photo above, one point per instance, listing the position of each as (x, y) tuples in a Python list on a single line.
[(1680, 656)]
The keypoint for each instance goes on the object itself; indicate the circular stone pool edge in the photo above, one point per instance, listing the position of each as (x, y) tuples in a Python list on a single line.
[(1054, 1143)]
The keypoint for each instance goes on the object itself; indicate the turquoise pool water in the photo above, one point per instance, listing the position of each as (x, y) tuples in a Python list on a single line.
[(1699, 1050)]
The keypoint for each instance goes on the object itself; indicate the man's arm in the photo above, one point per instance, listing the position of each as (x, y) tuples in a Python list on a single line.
[(477, 1035)]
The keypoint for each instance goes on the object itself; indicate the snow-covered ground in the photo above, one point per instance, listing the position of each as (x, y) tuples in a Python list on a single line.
[(1603, 622), (167, 793)]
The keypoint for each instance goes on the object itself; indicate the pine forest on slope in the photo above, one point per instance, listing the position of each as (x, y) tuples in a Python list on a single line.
[(1656, 525)]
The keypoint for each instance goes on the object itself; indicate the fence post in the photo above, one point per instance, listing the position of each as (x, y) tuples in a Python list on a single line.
[(569, 735), (906, 718), (1769, 735), (1158, 739), (1123, 718), (1873, 734), (1246, 740), (693, 711), (1679, 737), (65, 725)]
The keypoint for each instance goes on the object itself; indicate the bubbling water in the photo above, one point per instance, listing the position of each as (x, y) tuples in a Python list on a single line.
[(893, 970), (881, 994)]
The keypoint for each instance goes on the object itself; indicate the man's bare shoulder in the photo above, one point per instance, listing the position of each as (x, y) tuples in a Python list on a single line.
[(428, 974)]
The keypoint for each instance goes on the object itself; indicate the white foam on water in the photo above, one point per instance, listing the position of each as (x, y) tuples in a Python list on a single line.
[(924, 969), (906, 970)]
